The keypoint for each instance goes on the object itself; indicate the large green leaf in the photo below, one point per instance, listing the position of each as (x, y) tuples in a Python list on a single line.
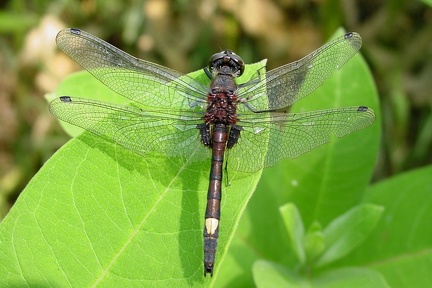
[(98, 215), (400, 247), (323, 183)]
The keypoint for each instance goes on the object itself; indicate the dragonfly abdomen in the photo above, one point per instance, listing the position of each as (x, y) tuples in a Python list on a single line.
[(214, 196)]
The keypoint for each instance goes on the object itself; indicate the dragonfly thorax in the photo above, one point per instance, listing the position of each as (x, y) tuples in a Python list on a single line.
[(222, 100)]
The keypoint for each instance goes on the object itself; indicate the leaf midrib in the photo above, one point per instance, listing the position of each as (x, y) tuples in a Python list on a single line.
[(136, 230)]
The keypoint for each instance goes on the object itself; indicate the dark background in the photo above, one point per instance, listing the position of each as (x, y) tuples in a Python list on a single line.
[(397, 44)]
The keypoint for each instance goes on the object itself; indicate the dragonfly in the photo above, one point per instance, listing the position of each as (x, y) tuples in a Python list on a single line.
[(221, 121)]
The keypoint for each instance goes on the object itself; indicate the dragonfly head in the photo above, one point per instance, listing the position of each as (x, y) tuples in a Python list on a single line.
[(226, 62)]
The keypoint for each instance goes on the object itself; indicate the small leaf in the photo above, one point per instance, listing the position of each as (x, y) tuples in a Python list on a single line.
[(314, 242), (347, 231), (350, 277), (295, 229), (269, 274)]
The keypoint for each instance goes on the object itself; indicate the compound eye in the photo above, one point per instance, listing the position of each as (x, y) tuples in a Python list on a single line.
[(239, 61), (228, 59), (216, 57)]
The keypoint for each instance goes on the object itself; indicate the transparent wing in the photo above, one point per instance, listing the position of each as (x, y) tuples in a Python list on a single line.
[(172, 133), (289, 83), (292, 134), (141, 81)]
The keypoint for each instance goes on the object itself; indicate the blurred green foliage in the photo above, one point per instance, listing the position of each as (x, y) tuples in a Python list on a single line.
[(183, 34)]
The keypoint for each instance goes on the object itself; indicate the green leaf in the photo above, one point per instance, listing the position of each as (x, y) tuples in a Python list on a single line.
[(295, 229), (350, 277), (427, 2), (314, 242), (323, 183), (400, 246), (347, 231), (9, 19), (98, 215), (268, 274)]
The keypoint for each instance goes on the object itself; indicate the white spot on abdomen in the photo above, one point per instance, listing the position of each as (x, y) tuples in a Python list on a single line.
[(211, 225)]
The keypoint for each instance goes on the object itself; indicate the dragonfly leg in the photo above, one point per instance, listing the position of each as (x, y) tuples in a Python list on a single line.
[(234, 135), (204, 130), (208, 73)]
